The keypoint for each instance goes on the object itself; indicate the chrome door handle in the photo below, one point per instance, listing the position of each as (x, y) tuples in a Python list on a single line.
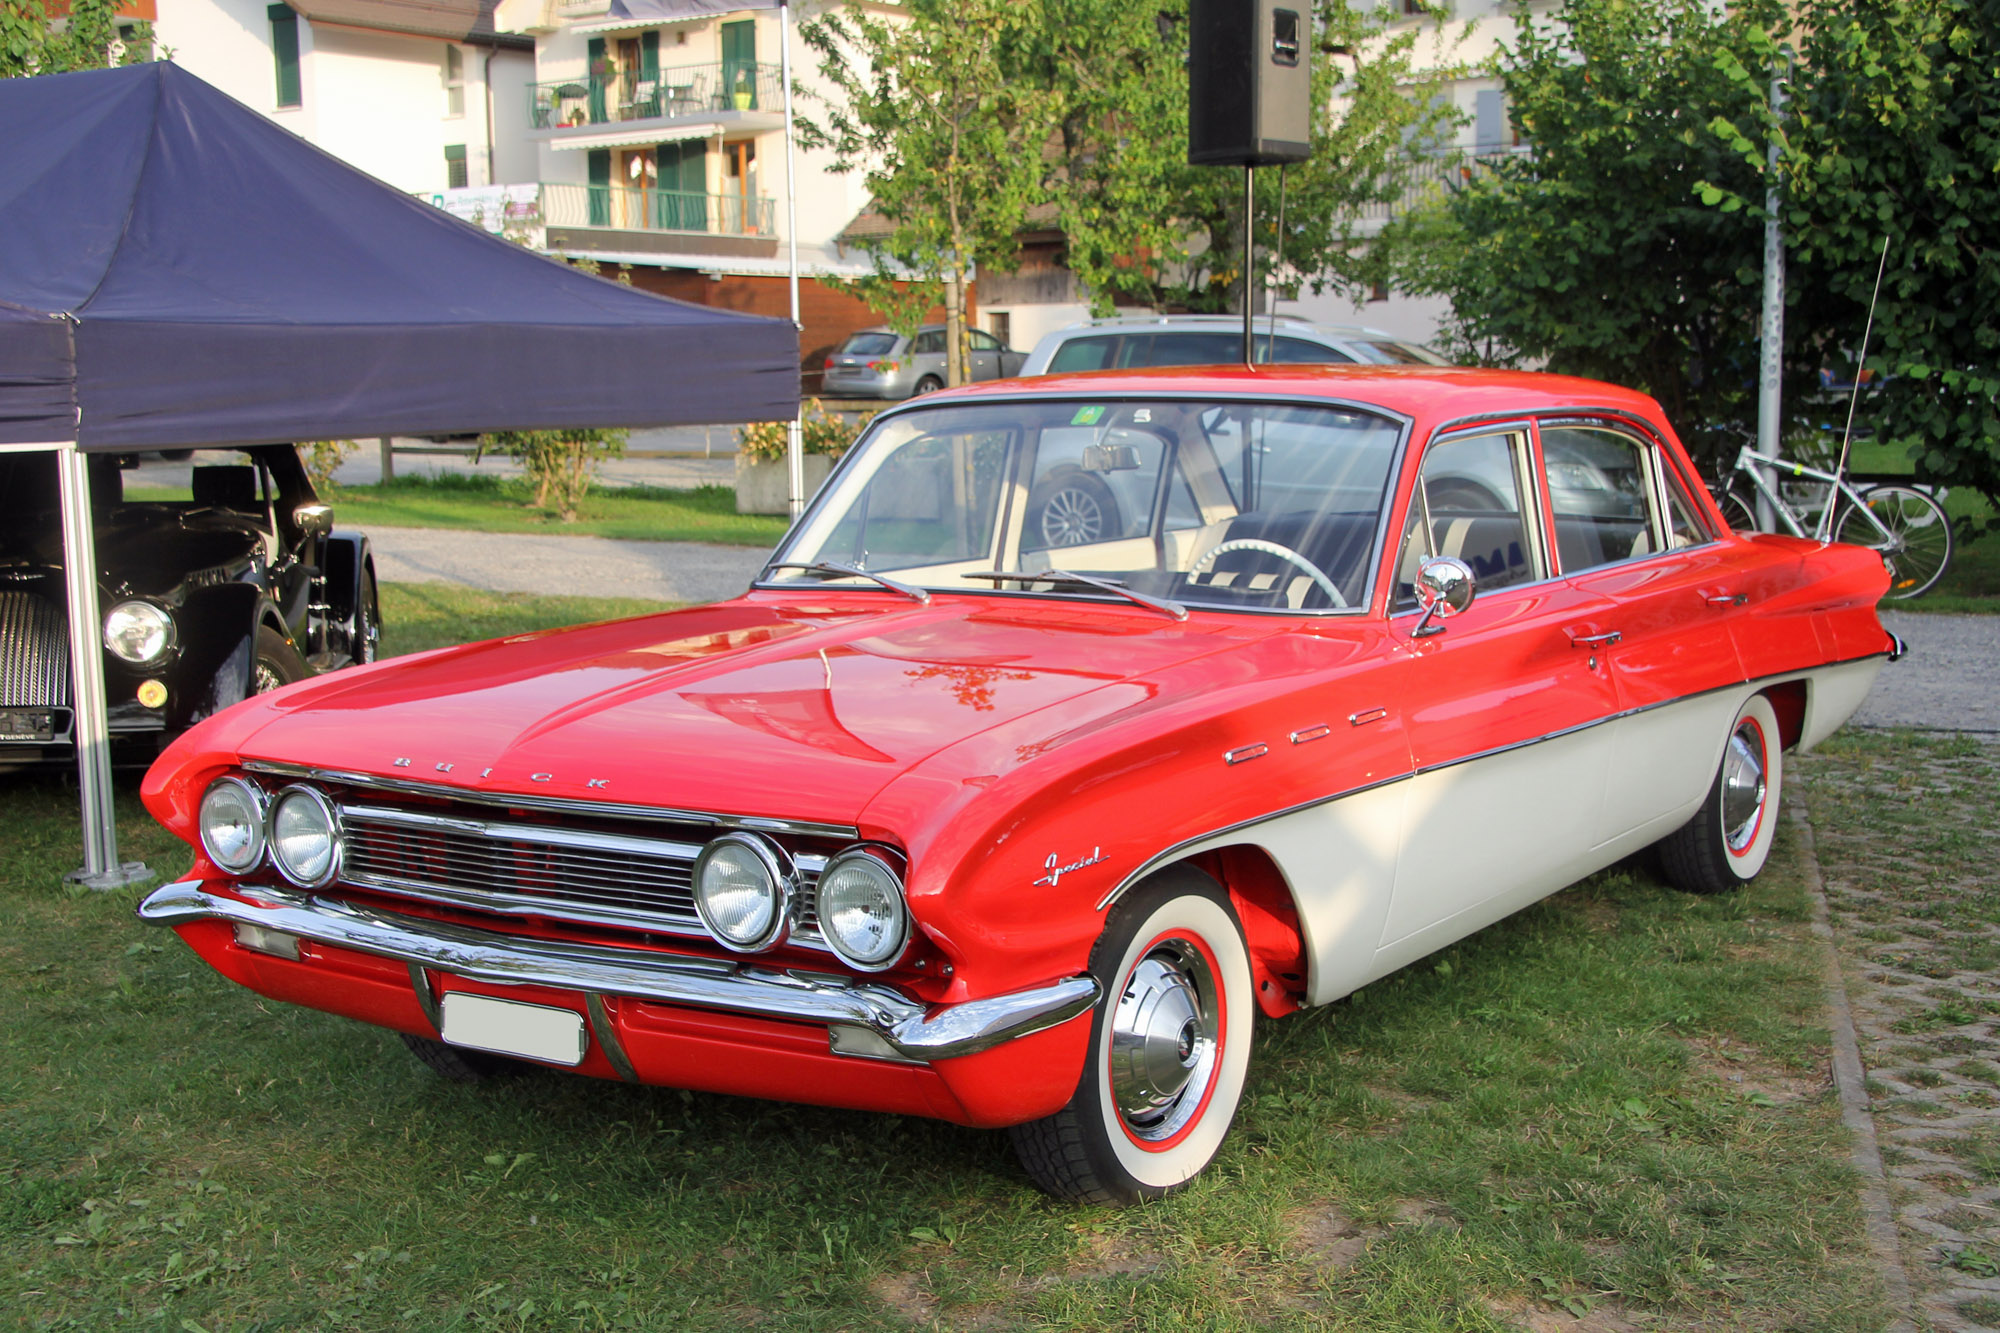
[(1728, 599), (1604, 640)]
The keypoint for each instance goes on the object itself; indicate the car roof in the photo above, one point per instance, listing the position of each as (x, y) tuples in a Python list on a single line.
[(1430, 392), (1261, 324)]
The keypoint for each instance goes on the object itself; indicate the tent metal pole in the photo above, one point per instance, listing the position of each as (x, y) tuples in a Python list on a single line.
[(795, 451), (101, 866)]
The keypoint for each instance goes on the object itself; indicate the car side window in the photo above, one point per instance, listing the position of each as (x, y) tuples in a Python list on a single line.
[(1299, 352), (1468, 504), (982, 341), (1084, 353), (1599, 496), (928, 343)]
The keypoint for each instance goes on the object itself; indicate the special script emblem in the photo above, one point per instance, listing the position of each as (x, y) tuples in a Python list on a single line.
[(1056, 872)]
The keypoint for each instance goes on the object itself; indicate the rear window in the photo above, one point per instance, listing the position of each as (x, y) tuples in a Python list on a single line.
[(1391, 353), (868, 344)]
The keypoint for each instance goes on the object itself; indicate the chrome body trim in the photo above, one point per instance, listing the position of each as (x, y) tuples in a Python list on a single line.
[(1165, 856), (908, 1027), (1243, 754), (606, 1033), (1898, 650), (553, 804), (427, 1000), (1318, 731)]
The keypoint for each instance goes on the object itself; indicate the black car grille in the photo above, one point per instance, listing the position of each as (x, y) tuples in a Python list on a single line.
[(34, 652), (524, 869)]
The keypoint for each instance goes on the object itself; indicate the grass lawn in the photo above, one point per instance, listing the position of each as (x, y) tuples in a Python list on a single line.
[(502, 504), (1611, 1109)]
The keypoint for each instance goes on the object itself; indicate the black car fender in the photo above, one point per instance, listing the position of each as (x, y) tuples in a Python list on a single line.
[(343, 558), (219, 626)]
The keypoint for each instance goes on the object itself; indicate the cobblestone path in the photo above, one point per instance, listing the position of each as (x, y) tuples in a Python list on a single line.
[(1908, 844)]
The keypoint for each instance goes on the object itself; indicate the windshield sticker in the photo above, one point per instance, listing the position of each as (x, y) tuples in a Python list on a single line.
[(1143, 415), (1088, 416)]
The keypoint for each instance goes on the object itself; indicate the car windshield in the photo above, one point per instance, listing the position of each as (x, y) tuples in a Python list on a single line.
[(1236, 504)]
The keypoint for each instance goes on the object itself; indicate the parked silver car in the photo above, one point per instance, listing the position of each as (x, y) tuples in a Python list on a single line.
[(1127, 342), (882, 363)]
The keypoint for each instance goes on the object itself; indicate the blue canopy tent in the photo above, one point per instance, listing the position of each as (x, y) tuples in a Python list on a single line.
[(175, 270)]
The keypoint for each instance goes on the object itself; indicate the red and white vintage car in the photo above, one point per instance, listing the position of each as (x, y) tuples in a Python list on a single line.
[(946, 818)]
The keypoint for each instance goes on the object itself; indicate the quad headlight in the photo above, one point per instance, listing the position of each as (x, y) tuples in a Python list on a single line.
[(232, 824), (862, 914), (743, 892), (305, 837), (138, 632)]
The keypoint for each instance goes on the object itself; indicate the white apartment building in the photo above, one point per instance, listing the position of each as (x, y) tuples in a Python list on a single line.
[(423, 94)]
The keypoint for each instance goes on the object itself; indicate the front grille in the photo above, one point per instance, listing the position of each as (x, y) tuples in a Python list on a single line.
[(34, 652), (563, 873)]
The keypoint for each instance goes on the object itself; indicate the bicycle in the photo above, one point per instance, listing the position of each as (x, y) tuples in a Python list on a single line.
[(1906, 525)]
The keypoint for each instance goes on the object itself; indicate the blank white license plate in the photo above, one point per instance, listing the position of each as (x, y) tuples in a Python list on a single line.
[(507, 1027)]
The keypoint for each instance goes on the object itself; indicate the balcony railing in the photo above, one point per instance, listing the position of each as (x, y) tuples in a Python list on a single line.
[(1452, 169), (670, 94), (630, 209)]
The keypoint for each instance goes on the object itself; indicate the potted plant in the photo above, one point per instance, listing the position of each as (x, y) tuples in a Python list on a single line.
[(763, 481), (744, 93)]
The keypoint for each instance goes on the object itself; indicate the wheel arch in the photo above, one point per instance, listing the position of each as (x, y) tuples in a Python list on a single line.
[(1790, 700), (1269, 913)]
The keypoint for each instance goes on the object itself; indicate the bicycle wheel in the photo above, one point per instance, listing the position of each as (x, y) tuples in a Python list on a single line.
[(1918, 550), (1738, 510)]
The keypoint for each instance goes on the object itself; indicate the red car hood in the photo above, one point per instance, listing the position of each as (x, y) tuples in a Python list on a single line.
[(760, 706)]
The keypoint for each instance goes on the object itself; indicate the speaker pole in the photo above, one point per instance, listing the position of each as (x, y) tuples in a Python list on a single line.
[(1249, 259)]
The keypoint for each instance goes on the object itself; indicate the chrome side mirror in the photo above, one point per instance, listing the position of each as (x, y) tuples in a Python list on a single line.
[(1444, 588), (314, 520)]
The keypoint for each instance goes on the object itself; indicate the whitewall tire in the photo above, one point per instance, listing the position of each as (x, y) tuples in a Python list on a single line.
[(1729, 839), (1169, 1049)]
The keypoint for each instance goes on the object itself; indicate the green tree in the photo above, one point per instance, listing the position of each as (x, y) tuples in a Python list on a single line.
[(950, 146), (86, 39), (1594, 253), (1143, 226), (1894, 135)]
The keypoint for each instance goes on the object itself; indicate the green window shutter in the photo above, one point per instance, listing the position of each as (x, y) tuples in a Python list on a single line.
[(285, 51), (599, 78), (683, 185), (600, 187), (455, 177), (649, 54), (739, 62)]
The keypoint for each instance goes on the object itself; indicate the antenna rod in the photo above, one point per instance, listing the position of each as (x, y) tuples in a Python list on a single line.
[(1860, 367), (1249, 261)]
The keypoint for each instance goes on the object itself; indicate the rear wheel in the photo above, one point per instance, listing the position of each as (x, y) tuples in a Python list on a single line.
[(1071, 509), (1729, 839), (928, 384), (367, 622), (1169, 1049), (1918, 550)]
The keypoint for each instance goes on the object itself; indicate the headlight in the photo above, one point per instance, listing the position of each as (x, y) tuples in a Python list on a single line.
[(743, 891), (232, 824), (861, 911), (305, 837), (138, 632)]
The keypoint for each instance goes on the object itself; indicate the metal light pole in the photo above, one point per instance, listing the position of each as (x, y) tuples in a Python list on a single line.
[(795, 449), (1770, 438)]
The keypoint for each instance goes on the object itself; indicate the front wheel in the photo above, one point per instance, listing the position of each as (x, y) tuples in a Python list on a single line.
[(277, 662), (1169, 1048), (367, 640), (1917, 549), (1729, 839)]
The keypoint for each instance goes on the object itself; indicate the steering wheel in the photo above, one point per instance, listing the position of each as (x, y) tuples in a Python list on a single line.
[(1285, 553)]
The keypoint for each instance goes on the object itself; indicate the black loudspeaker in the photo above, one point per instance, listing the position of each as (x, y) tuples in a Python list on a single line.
[(1249, 82)]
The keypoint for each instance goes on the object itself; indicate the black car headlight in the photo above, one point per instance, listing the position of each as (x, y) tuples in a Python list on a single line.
[(232, 824), (138, 632), (862, 914), (305, 837), (743, 892)]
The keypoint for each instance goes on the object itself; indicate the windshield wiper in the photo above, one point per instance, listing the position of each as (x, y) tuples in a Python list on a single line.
[(835, 570), (1112, 586)]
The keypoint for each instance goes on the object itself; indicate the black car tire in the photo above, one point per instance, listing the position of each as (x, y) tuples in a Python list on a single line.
[(1171, 950), (277, 662), (1727, 842), (367, 622), (458, 1064), (1071, 509), (928, 384)]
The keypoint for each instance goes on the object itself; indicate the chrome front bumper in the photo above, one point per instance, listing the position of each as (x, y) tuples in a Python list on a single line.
[(908, 1030)]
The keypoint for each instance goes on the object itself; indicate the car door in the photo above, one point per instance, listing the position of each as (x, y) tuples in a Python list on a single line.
[(1627, 532), (985, 355), (1504, 706)]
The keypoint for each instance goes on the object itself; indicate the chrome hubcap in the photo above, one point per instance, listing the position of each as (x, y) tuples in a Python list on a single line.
[(1071, 518), (264, 678), (1163, 1040), (1743, 786)]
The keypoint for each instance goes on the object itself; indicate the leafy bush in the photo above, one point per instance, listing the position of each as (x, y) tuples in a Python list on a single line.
[(821, 432), (561, 464), (322, 458)]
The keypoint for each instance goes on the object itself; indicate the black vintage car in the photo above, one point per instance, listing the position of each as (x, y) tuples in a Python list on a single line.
[(239, 587)]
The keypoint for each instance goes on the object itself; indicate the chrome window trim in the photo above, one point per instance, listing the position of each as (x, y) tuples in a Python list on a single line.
[(551, 804), (1168, 854), (1404, 423), (1528, 454)]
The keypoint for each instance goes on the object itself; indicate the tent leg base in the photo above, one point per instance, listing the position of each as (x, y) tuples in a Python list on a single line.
[(118, 877)]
